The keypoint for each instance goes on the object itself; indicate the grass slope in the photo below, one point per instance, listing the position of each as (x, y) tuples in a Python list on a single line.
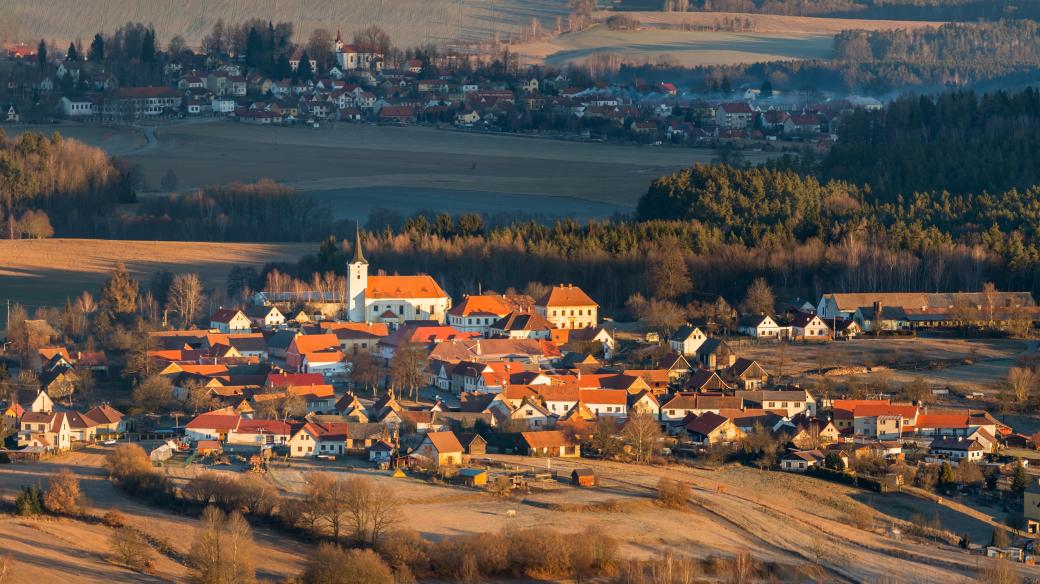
[(409, 22)]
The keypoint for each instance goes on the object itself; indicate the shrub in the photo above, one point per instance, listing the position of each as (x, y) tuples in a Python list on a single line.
[(114, 518), (64, 496), (334, 565), (256, 495), (999, 572), (672, 494), (29, 501), (130, 548), (131, 470), (404, 549)]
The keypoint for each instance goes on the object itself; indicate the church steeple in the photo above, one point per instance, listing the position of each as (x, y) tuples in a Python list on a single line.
[(359, 257), (357, 281)]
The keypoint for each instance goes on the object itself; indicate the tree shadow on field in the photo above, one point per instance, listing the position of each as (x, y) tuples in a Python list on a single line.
[(906, 507)]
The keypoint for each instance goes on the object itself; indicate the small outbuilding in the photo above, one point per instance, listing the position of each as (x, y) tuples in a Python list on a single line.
[(208, 448), (473, 477), (584, 477)]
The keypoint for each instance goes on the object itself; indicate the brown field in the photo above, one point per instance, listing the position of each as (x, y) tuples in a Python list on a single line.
[(409, 22), (891, 358), (771, 38), (777, 517), (356, 167), (773, 23), (47, 271), (351, 156)]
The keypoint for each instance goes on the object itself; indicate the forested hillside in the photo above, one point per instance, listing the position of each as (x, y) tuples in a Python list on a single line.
[(959, 142)]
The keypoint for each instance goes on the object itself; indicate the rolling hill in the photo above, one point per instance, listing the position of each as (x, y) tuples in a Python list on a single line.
[(409, 22)]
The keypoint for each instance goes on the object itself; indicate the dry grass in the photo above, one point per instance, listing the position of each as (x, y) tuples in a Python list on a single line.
[(771, 38), (47, 271), (773, 23), (688, 48), (409, 22)]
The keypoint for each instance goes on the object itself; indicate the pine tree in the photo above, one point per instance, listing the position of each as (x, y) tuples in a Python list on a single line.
[(97, 49), (304, 71), (1019, 479), (148, 47), (41, 54), (119, 294), (72, 54), (947, 481), (254, 48)]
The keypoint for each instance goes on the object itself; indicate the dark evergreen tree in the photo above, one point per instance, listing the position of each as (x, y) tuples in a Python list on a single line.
[(148, 47), (304, 71), (41, 55), (72, 54), (97, 49)]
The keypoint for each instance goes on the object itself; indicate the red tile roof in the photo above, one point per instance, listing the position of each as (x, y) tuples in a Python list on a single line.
[(568, 295)]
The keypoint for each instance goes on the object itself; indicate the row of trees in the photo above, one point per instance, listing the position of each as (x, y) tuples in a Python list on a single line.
[(1005, 43), (45, 179)]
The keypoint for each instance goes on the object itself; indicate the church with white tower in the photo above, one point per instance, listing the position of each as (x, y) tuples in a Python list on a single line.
[(391, 299)]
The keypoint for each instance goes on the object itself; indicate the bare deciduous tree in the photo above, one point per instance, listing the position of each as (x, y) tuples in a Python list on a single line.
[(642, 433), (372, 511), (364, 371), (222, 551), (187, 296), (130, 548), (407, 366), (1020, 382)]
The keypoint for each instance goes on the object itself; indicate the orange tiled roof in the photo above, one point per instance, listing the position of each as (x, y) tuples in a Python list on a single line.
[(568, 295), (421, 286), (312, 343), (484, 304)]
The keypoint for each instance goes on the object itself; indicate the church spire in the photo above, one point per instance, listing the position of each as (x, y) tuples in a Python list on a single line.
[(359, 258)]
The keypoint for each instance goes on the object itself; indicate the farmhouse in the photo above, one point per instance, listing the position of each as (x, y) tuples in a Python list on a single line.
[(548, 443), (687, 340), (440, 448), (230, 320), (760, 326), (802, 460)]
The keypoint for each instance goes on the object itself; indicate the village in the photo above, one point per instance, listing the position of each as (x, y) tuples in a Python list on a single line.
[(358, 86), (506, 393)]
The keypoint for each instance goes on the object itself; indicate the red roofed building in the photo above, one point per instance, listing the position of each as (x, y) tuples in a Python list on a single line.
[(477, 313), (303, 345), (293, 379), (568, 307), (396, 115), (211, 426), (260, 432), (136, 102)]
